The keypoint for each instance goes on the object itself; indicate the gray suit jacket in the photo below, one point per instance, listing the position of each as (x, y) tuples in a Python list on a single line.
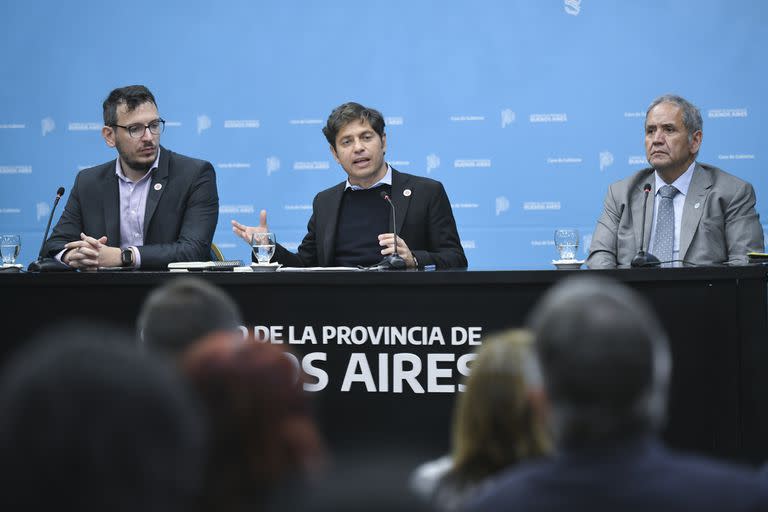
[(719, 225), (180, 215), (424, 220)]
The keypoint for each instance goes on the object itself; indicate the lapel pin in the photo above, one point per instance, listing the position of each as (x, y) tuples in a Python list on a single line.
[(158, 186), (696, 206), (407, 192)]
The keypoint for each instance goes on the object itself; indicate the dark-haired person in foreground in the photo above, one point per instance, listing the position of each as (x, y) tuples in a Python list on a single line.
[(606, 365), (145, 209), (183, 311), (351, 223), (696, 213), (89, 424)]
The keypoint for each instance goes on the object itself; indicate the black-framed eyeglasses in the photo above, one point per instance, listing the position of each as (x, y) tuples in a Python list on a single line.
[(136, 131)]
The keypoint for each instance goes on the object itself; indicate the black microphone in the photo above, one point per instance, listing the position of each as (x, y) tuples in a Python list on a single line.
[(642, 258), (48, 264), (393, 261)]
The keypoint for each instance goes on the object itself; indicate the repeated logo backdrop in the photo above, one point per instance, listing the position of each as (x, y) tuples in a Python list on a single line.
[(524, 110)]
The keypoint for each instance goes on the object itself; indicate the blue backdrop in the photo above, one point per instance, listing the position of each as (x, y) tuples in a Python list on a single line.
[(525, 109)]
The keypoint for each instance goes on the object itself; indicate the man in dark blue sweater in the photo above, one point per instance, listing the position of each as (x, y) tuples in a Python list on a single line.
[(351, 224)]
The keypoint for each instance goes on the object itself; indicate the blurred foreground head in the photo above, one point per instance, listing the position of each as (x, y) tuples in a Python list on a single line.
[(605, 360), (183, 311), (498, 420), (89, 424), (262, 435)]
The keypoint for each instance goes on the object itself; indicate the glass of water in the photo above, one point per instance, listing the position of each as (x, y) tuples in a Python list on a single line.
[(567, 243), (263, 247), (10, 245)]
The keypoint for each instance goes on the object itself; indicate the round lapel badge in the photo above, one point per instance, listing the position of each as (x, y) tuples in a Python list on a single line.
[(158, 186), (407, 192)]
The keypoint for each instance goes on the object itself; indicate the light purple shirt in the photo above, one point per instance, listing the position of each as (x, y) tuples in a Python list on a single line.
[(133, 204)]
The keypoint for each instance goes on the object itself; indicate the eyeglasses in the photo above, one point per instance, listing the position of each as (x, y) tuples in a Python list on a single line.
[(136, 131)]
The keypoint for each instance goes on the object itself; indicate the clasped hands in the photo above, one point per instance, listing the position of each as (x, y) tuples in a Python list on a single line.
[(386, 240), (90, 253)]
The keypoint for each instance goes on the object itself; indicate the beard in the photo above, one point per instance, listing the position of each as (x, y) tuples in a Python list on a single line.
[(142, 166)]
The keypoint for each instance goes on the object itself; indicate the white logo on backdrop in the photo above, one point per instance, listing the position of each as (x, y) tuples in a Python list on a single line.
[(42, 210), (12, 126), (433, 162), (564, 160), (464, 206), (507, 117), (636, 160), (203, 123), (47, 125), (84, 127), (606, 160), (242, 123), (293, 207), (174, 124), (634, 114), (572, 7), (317, 165), (236, 208), (541, 205), (468, 244), (393, 121), (548, 118), (739, 156), (726, 112), (234, 165), (399, 163), (15, 169), (467, 118), (10, 210), (273, 165), (471, 162), (305, 121), (502, 205)]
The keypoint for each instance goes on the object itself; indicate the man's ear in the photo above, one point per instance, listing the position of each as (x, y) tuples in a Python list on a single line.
[(384, 143), (108, 133)]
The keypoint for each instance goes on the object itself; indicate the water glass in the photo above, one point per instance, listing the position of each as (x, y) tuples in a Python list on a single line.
[(263, 247), (567, 243), (10, 245)]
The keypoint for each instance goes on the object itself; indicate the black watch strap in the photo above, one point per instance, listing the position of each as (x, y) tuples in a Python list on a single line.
[(126, 258)]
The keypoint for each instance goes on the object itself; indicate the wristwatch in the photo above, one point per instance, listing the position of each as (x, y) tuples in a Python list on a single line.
[(126, 258)]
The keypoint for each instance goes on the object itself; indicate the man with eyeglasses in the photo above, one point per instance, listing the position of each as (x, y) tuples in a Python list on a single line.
[(145, 209)]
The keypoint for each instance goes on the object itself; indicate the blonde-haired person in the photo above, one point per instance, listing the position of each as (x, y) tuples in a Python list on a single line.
[(498, 422)]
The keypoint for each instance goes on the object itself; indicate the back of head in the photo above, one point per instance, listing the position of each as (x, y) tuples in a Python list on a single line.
[(89, 424), (605, 360), (183, 311), (496, 422), (261, 431)]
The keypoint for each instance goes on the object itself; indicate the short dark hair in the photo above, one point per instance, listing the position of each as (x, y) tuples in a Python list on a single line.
[(605, 360), (181, 312), (132, 96), (88, 423), (348, 112)]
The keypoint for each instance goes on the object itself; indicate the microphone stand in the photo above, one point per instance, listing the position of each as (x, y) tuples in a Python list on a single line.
[(49, 264), (393, 261), (642, 258)]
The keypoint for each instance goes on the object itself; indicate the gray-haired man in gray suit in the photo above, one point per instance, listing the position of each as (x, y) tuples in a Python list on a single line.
[(697, 214)]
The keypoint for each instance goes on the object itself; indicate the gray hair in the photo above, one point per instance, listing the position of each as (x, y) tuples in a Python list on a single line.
[(691, 115), (605, 360)]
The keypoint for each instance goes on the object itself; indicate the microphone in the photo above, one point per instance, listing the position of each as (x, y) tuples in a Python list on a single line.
[(393, 261), (642, 258), (48, 264)]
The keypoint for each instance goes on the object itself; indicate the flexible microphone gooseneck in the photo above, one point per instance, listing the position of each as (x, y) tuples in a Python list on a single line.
[(393, 261), (48, 264), (642, 258)]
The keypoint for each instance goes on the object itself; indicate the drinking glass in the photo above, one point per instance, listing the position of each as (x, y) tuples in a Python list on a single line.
[(10, 245), (263, 247), (567, 243)]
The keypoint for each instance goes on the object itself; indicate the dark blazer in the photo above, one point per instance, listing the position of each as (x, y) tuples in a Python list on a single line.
[(630, 477), (424, 220), (719, 225), (179, 219)]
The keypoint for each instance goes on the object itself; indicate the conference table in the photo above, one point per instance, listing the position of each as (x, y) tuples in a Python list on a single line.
[(385, 352)]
